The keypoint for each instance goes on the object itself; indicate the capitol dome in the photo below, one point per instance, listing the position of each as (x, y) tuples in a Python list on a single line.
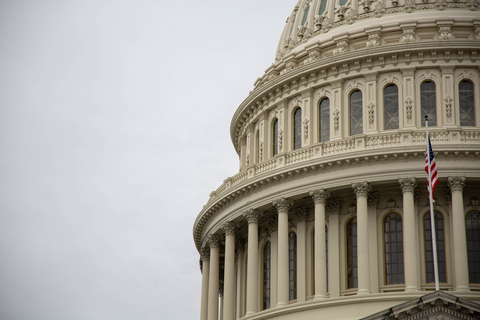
[(328, 216)]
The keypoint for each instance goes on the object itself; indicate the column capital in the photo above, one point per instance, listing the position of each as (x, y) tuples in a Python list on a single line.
[(273, 223), (214, 241), (301, 214), (319, 195), (456, 183), (282, 204), (361, 188), (407, 184), (229, 227), (252, 215), (372, 199), (333, 205), (205, 253)]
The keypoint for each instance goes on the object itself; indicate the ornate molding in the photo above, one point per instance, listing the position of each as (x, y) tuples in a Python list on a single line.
[(456, 183), (240, 244), (361, 188), (373, 40), (342, 47), (445, 33), (214, 241), (372, 199), (371, 112), (252, 215), (408, 35), (408, 107), (205, 253), (448, 105), (407, 184), (333, 206), (273, 223), (301, 214), (230, 227), (319, 195), (282, 204)]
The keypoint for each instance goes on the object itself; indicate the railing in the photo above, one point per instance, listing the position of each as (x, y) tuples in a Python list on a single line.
[(351, 144)]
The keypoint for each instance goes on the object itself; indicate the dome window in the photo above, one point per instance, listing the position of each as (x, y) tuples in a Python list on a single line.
[(428, 103), (467, 110), (356, 116), (305, 16), (324, 128), (390, 107), (323, 7), (342, 2)]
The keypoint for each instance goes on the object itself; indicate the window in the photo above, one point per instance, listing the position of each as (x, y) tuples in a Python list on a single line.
[(342, 2), (324, 123), (439, 234), (390, 107), (352, 263), (266, 275), (297, 129), (323, 7), (275, 137), (292, 266), (305, 16), (428, 103), (472, 224), (466, 102), (356, 116), (393, 241)]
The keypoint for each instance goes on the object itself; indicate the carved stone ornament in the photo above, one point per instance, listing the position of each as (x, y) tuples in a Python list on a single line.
[(466, 74), (373, 40), (371, 112), (474, 202), (291, 225), (273, 223), (409, 6), (477, 33), (301, 214), (448, 105), (291, 65), (408, 36), (407, 184), (416, 196), (205, 253), (264, 234), (318, 22), (230, 227), (319, 195), (445, 33), (240, 244), (342, 47), (361, 188), (456, 183), (279, 55), (408, 107), (336, 119), (441, 5), (448, 194), (252, 215), (305, 127), (380, 9), (372, 199), (351, 16), (427, 75), (283, 204), (352, 208), (391, 203), (389, 78), (366, 5), (313, 56), (341, 12), (280, 139), (260, 151), (394, 3), (214, 240), (333, 205), (472, 5), (248, 160)]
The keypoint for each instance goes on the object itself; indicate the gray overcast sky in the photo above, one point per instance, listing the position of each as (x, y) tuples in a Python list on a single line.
[(114, 129)]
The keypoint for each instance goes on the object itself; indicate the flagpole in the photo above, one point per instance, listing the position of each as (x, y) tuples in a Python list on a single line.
[(432, 216)]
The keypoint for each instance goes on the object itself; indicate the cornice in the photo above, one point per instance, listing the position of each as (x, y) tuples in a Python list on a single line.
[(324, 164)]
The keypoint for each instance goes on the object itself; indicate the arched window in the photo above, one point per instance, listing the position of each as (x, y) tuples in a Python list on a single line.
[(428, 103), (292, 265), (352, 263), (440, 236), (297, 129), (390, 107), (324, 123), (472, 224), (342, 2), (323, 7), (393, 241), (466, 102), (267, 259), (356, 115), (305, 16), (275, 137)]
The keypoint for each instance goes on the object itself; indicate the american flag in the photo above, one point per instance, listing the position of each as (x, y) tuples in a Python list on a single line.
[(433, 168)]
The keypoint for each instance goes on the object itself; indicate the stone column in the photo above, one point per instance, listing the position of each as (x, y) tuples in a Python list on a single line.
[(214, 242), (229, 274), (320, 197), (333, 210), (361, 190), (459, 234), (301, 215), (252, 217), (282, 206), (222, 301), (410, 244), (240, 245), (205, 252)]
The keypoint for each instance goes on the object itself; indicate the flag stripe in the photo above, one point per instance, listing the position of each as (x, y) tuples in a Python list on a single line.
[(433, 168)]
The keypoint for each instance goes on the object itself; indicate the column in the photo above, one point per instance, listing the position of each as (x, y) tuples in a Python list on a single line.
[(410, 243), (320, 197), (282, 206), (205, 252), (333, 210), (301, 215), (214, 242), (229, 274), (372, 201), (240, 279), (459, 234), (252, 217), (222, 301), (361, 190)]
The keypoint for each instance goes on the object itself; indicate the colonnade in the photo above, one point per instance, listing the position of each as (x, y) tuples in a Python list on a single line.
[(320, 197)]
